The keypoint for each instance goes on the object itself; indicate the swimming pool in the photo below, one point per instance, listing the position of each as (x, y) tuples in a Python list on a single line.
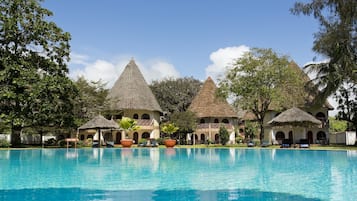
[(177, 174)]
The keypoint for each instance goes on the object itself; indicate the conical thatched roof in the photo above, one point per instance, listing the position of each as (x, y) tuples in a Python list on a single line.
[(301, 100), (207, 104), (99, 122), (294, 117), (131, 91)]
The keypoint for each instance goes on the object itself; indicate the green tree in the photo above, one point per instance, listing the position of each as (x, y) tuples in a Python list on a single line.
[(223, 134), (347, 105), (91, 99), (175, 95), (337, 125), (260, 80), (169, 128), (186, 121), (34, 87), (336, 40)]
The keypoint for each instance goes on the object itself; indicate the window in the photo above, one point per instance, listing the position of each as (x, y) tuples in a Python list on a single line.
[(321, 135), (145, 116), (225, 121), (135, 116), (216, 121), (145, 135), (280, 135), (202, 121)]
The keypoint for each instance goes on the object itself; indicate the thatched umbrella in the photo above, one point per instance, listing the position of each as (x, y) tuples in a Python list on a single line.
[(294, 117), (98, 123)]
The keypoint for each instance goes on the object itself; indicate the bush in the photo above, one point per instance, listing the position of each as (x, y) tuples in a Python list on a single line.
[(223, 134), (239, 139), (4, 144), (160, 141), (62, 143)]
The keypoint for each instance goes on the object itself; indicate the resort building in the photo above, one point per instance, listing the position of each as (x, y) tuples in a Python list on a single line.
[(212, 112), (131, 97), (294, 128)]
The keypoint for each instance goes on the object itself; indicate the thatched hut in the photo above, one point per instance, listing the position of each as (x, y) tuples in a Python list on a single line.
[(212, 111), (98, 125), (131, 97), (306, 103)]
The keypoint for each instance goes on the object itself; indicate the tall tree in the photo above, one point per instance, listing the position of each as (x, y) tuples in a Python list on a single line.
[(175, 95), (336, 40), (260, 80), (91, 99), (347, 105), (35, 89)]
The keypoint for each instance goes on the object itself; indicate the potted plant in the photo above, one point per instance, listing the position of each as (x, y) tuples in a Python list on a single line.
[(128, 125), (169, 128)]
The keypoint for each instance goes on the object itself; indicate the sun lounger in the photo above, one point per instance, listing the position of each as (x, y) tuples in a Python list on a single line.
[(304, 143), (285, 143), (110, 144), (95, 144), (250, 144), (265, 144)]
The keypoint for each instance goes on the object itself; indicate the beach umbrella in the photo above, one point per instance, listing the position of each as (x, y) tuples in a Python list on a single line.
[(99, 122)]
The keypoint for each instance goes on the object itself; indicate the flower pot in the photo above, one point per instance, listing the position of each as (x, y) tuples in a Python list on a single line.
[(169, 143), (126, 143)]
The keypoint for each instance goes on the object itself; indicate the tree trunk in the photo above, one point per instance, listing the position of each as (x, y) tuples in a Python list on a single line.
[(261, 136), (16, 136)]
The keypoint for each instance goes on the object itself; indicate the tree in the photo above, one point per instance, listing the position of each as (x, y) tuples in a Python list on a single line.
[(258, 79), (336, 40), (128, 124), (347, 105), (175, 95), (223, 134), (337, 125), (186, 121), (169, 128), (91, 99), (34, 87)]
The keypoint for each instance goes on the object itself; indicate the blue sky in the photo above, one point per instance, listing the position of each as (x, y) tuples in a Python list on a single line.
[(179, 38)]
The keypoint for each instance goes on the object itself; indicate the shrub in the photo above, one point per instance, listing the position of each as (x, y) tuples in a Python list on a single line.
[(223, 134), (4, 144)]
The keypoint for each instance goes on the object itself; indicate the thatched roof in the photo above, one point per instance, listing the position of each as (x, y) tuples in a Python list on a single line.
[(131, 91), (207, 104), (314, 91), (99, 122), (294, 117)]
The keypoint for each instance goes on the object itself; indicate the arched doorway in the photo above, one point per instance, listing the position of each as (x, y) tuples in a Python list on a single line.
[(136, 137), (310, 137), (321, 137), (203, 138), (280, 136), (145, 135), (216, 138), (118, 138), (291, 137)]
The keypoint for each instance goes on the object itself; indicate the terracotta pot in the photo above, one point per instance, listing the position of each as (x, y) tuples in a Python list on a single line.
[(169, 143), (126, 143)]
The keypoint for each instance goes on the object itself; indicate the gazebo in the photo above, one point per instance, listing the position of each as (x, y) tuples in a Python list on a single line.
[(294, 117), (98, 123)]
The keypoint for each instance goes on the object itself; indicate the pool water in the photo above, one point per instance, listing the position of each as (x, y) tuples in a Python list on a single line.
[(177, 174)]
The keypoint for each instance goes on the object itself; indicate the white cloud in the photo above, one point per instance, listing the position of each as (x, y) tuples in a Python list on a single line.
[(109, 71), (78, 59), (222, 58)]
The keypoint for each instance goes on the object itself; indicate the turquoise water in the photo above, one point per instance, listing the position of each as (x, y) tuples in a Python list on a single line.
[(177, 174)]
